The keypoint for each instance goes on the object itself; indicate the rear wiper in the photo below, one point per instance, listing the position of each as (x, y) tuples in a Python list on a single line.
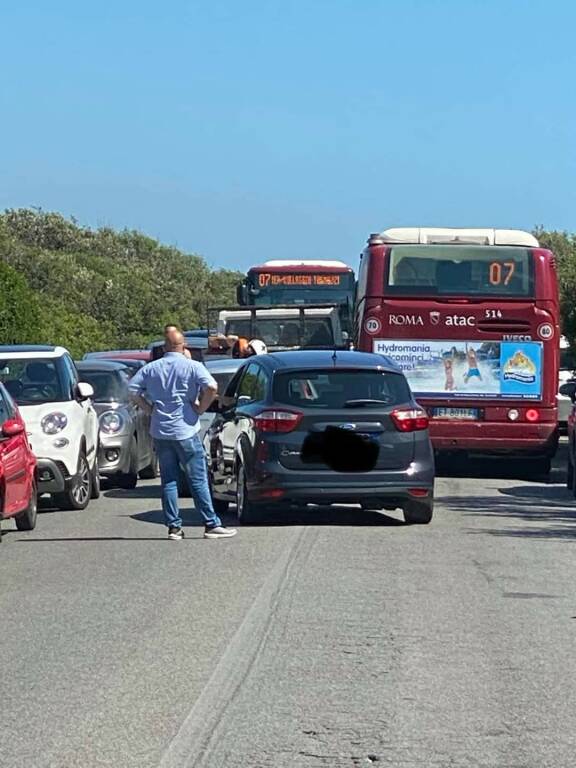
[(364, 401)]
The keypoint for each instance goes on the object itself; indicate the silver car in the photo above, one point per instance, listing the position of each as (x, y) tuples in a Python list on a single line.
[(126, 450)]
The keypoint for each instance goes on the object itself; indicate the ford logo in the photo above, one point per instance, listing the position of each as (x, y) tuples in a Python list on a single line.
[(347, 426)]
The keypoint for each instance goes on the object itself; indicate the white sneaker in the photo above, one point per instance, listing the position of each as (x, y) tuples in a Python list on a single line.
[(219, 532)]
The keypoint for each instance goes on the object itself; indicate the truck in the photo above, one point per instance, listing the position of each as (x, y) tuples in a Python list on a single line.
[(312, 326)]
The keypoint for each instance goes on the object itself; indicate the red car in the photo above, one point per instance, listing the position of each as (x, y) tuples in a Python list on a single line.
[(18, 497)]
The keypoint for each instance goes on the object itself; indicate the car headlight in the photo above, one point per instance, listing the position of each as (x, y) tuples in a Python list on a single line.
[(53, 423), (111, 422)]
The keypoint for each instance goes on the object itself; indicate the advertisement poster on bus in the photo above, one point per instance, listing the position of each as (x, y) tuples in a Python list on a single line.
[(468, 368)]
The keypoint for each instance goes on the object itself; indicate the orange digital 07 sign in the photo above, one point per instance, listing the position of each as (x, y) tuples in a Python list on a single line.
[(289, 279)]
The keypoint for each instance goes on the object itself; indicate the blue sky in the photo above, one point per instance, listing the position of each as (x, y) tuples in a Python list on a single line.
[(259, 129)]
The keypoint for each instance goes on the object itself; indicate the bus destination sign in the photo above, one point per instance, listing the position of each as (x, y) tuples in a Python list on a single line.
[(297, 280)]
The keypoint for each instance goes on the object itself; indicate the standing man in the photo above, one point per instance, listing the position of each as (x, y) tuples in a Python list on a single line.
[(169, 329), (180, 390)]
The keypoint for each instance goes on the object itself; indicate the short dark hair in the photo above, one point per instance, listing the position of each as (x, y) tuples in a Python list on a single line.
[(171, 325)]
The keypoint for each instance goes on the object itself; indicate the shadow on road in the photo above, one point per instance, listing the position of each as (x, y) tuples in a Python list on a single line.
[(345, 516), (27, 540), (553, 507), (140, 492)]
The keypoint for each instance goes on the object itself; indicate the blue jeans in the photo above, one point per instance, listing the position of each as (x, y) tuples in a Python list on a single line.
[(190, 454)]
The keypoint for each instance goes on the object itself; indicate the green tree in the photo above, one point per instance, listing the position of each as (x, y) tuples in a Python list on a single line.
[(19, 309), (117, 288), (563, 244)]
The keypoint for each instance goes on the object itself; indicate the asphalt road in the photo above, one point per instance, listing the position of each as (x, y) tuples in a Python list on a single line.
[(334, 639)]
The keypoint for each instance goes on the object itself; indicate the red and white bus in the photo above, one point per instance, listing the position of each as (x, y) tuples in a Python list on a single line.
[(472, 318)]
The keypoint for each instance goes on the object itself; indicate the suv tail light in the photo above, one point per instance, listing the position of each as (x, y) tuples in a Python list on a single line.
[(278, 421), (410, 420)]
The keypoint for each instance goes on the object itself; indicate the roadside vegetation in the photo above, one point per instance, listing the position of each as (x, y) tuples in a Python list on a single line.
[(92, 289)]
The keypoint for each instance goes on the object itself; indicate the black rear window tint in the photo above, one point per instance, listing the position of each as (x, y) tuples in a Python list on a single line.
[(333, 388)]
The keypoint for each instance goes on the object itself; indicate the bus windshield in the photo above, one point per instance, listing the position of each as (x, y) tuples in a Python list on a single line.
[(455, 270), (284, 333)]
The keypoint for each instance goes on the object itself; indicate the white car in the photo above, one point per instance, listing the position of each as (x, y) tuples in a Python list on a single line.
[(61, 422)]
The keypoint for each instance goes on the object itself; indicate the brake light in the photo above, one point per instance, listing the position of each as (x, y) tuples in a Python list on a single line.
[(278, 421), (419, 492), (532, 415), (410, 420)]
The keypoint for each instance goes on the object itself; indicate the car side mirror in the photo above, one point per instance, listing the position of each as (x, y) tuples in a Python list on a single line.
[(11, 428), (569, 390), (84, 390)]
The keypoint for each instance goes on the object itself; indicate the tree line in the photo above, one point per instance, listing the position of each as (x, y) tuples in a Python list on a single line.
[(89, 289)]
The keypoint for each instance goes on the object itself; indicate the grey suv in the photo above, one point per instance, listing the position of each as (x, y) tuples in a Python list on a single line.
[(321, 427)]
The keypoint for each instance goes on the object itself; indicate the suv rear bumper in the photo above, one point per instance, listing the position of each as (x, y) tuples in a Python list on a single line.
[(382, 489), (52, 476)]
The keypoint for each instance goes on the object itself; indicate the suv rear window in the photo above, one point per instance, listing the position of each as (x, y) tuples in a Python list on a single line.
[(335, 389)]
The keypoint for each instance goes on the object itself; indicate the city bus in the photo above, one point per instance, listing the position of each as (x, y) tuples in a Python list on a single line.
[(472, 318), (286, 282)]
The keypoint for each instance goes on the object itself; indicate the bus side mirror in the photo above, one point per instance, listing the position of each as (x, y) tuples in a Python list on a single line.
[(242, 294)]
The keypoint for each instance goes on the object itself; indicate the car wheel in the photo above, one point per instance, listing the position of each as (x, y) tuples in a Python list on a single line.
[(26, 521), (418, 513), (129, 480), (247, 512), (152, 471), (77, 493), (95, 477)]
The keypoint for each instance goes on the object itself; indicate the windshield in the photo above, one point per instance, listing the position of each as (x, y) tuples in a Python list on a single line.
[(32, 382), (109, 386), (274, 332), (334, 389), (434, 270), (300, 288)]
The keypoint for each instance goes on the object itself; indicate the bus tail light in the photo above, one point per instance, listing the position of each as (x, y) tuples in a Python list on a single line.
[(532, 415), (410, 420), (278, 421)]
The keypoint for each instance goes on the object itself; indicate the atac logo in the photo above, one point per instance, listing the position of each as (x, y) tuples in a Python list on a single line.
[(452, 320), (405, 320)]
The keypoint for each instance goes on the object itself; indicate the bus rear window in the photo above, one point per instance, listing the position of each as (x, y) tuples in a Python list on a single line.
[(455, 270)]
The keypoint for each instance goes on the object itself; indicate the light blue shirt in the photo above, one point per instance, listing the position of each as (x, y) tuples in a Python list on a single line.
[(172, 384)]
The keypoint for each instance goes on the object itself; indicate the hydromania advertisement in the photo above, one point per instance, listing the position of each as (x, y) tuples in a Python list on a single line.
[(468, 368)]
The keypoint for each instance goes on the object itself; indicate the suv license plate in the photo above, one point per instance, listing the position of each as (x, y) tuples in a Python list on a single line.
[(467, 414)]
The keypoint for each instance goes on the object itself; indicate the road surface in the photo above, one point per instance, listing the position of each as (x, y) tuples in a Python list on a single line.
[(335, 639)]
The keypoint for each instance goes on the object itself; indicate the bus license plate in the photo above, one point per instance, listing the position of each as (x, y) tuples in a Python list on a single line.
[(469, 414)]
